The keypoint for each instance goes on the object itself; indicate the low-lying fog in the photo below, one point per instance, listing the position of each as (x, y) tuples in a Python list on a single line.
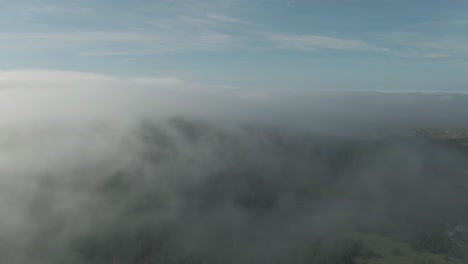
[(97, 169)]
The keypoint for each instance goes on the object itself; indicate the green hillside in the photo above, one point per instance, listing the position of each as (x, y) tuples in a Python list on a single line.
[(384, 250)]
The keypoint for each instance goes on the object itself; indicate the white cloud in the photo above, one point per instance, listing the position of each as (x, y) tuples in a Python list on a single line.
[(67, 96), (186, 26), (115, 53), (67, 39), (429, 56), (135, 43), (64, 96), (174, 26), (22, 77), (54, 9), (444, 24), (424, 46), (453, 45), (55, 79), (161, 81), (228, 19), (316, 42)]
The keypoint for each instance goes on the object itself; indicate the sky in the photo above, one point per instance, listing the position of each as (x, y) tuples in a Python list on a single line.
[(278, 44)]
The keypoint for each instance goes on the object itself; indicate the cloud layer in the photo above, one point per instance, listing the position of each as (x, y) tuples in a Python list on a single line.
[(99, 169)]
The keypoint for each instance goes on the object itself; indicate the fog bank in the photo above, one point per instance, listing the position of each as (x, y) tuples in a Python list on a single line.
[(99, 169)]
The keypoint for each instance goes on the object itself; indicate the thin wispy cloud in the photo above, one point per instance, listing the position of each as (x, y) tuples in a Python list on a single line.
[(428, 56), (114, 53), (440, 23), (317, 42), (228, 19), (453, 45), (61, 10), (411, 44), (220, 39), (139, 42)]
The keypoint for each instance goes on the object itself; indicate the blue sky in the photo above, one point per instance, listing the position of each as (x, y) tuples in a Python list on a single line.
[(281, 44)]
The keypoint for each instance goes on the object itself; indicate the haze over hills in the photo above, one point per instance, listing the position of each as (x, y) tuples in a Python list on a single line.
[(232, 176)]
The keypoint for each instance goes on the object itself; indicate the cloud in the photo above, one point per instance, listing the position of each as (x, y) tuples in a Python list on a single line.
[(200, 26), (450, 45), (30, 78), (145, 42), (54, 10), (28, 95), (71, 97), (430, 56), (446, 24), (58, 25), (36, 40), (116, 53), (228, 19), (175, 39), (165, 82), (102, 169), (65, 95), (424, 46), (317, 42)]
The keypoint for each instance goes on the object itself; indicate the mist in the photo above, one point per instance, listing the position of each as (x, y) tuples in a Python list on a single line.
[(100, 169)]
